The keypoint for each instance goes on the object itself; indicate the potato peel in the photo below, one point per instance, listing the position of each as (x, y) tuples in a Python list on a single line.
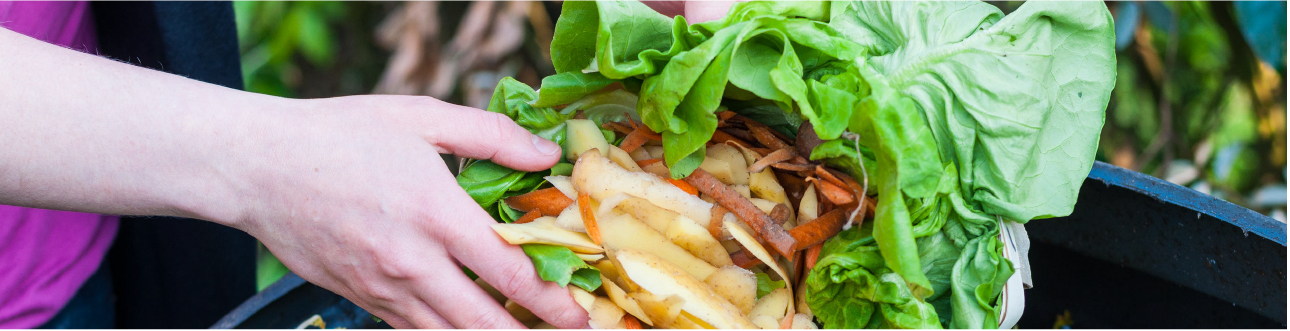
[(662, 278), (544, 231), (751, 246)]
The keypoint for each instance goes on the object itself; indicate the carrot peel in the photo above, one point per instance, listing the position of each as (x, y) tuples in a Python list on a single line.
[(836, 194), (646, 162), (589, 217), (633, 140), (547, 201), (812, 256), (744, 260), (630, 322), (684, 186), (760, 222), (528, 217), (822, 228), (777, 156)]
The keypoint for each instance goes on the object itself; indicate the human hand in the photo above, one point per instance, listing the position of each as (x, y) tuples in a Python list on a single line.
[(353, 196), (694, 11)]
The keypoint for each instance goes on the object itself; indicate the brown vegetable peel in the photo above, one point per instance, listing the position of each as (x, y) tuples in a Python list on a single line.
[(773, 233)]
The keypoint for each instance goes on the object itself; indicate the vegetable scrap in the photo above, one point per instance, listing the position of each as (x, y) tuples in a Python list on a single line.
[(810, 144)]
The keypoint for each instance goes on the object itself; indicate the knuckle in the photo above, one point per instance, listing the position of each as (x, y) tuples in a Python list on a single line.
[(374, 291), (517, 280), (421, 103), (378, 294), (394, 270), (487, 319), (570, 318), (500, 127)]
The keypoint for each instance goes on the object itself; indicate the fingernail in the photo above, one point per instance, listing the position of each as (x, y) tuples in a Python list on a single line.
[(545, 146)]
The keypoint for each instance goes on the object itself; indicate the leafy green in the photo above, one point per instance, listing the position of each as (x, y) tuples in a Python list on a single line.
[(507, 214), (907, 166), (562, 169), (566, 87), (769, 115), (486, 181), (560, 265), (765, 285), (513, 98), (851, 288), (955, 115), (1017, 101), (938, 256), (978, 278)]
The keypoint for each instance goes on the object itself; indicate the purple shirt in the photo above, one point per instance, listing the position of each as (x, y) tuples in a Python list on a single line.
[(46, 255)]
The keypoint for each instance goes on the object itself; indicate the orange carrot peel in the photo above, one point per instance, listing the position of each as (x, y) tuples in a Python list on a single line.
[(548, 202), (630, 322), (836, 194), (812, 256), (646, 162), (589, 217), (528, 217), (822, 228), (633, 140), (684, 186)]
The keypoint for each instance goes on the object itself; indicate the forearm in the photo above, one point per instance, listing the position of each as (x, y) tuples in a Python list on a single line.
[(84, 133)]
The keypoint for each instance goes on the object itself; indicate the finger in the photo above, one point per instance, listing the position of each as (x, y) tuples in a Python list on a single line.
[(481, 135), (506, 267), (703, 11), (462, 302), (669, 8), (427, 318), (432, 321), (396, 322), (408, 312)]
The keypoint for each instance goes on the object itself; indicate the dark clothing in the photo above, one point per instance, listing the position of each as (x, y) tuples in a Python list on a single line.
[(170, 272), (92, 307)]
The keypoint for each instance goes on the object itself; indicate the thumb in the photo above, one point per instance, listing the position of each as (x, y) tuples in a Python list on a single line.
[(478, 134), (669, 8), (703, 11)]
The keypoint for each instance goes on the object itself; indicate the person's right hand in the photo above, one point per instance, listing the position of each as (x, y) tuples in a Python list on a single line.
[(353, 196)]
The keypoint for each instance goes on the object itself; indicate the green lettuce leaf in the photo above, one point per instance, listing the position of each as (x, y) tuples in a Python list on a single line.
[(851, 288), (514, 99), (566, 87), (486, 181), (630, 39), (560, 265), (765, 285), (1017, 102), (769, 115), (907, 167), (938, 256)]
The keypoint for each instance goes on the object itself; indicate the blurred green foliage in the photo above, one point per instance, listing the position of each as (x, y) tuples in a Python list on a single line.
[(309, 48), (271, 33), (1193, 103)]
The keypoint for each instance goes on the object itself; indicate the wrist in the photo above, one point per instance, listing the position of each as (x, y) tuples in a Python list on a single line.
[(237, 149)]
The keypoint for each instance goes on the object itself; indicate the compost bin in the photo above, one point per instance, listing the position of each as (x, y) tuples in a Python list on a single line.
[(1138, 252)]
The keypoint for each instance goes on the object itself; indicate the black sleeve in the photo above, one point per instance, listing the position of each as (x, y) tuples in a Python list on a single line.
[(168, 272)]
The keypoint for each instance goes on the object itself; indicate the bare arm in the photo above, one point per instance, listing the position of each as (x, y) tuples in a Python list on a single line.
[(78, 131), (349, 192)]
